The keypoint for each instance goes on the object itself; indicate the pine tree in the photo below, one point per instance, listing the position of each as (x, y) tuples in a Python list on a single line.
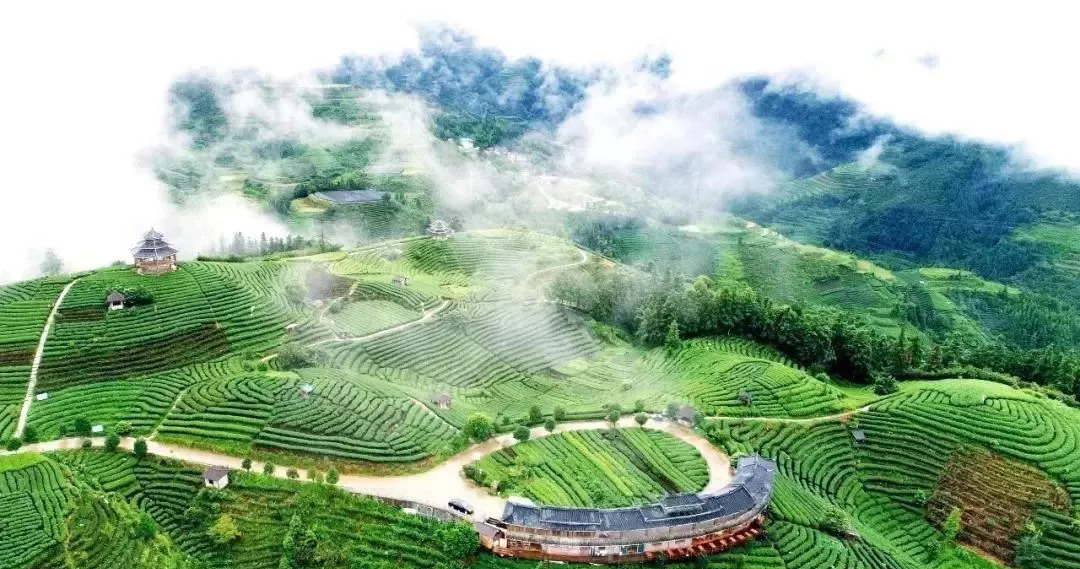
[(935, 358), (672, 341)]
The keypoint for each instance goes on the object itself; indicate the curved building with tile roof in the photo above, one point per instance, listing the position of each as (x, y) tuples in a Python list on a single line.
[(680, 525)]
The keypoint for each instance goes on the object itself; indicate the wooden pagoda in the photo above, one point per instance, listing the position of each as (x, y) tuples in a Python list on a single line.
[(440, 229), (154, 255)]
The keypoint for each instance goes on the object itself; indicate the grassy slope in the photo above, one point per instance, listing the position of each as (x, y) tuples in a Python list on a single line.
[(804, 211), (881, 483), (609, 468)]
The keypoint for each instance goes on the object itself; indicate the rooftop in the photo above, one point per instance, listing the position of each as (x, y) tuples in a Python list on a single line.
[(351, 196), (215, 473), (750, 489), (153, 247)]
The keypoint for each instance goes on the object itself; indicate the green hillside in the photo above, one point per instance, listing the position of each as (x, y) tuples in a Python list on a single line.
[(333, 361)]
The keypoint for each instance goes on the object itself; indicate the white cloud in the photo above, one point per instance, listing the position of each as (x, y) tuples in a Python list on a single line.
[(85, 83)]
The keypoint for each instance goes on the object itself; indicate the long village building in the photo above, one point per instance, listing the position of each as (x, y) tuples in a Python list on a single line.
[(681, 525)]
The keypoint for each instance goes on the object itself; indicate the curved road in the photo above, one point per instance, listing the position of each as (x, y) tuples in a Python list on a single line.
[(435, 486)]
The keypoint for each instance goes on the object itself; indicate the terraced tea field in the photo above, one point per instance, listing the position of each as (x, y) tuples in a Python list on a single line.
[(887, 481), (604, 468), (345, 416), (24, 309)]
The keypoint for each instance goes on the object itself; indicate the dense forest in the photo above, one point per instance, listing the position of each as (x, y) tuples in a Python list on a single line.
[(924, 200), (482, 94), (657, 310)]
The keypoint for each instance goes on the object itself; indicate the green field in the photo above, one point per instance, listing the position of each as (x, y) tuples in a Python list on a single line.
[(605, 468)]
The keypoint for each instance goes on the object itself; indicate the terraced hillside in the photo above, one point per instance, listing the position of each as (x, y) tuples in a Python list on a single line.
[(195, 324), (24, 309), (887, 482), (608, 468)]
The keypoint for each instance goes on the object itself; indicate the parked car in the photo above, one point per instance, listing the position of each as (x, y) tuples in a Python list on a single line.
[(460, 506)]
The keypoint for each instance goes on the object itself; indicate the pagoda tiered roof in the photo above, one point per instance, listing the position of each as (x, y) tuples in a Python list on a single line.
[(153, 247)]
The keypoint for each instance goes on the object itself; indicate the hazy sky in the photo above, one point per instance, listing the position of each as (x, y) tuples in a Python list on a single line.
[(84, 85)]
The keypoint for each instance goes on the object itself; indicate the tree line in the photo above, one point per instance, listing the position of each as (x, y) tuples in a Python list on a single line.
[(662, 309)]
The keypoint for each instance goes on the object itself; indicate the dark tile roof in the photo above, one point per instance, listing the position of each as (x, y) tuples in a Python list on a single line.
[(215, 473), (750, 489), (114, 296), (351, 196), (858, 435)]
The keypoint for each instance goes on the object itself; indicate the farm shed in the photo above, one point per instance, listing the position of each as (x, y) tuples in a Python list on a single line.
[(400, 280), (97, 429), (154, 255), (858, 435), (442, 400), (115, 301), (687, 414), (307, 389), (216, 477)]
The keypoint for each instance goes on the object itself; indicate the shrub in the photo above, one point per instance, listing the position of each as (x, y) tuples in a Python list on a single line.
[(535, 416), (112, 441), (292, 474), (13, 444), (614, 416), (885, 384), (549, 424), (269, 468), (639, 406), (146, 528), (87, 444), (332, 476), (29, 435), (123, 428), (81, 426), (521, 433), (224, 530), (479, 427), (140, 448), (246, 464), (672, 410), (836, 522), (641, 419), (294, 355), (559, 413), (459, 540)]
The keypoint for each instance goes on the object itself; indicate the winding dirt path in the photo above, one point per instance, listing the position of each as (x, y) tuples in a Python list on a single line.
[(32, 383), (426, 317), (434, 487)]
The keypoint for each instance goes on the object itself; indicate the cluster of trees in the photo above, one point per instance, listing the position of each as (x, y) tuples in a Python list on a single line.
[(615, 236), (659, 310), (241, 246)]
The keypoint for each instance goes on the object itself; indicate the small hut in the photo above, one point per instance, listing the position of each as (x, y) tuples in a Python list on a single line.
[(687, 414), (154, 255), (439, 229), (216, 477), (115, 301), (859, 436), (442, 400), (400, 280), (307, 389)]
